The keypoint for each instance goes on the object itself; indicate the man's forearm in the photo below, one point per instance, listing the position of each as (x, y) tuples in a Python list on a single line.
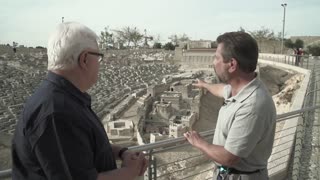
[(215, 89)]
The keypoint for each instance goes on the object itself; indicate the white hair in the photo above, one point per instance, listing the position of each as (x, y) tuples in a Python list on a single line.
[(66, 44)]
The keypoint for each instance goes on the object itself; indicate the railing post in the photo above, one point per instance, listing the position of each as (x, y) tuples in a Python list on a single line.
[(289, 60), (285, 59), (154, 163), (293, 61), (150, 166)]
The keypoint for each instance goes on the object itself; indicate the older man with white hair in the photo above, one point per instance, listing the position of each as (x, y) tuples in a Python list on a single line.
[(59, 136)]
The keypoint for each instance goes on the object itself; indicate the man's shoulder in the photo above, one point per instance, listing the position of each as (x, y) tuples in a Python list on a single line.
[(46, 97), (260, 99), (46, 101)]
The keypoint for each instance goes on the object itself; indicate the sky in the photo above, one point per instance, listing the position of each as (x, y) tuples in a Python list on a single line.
[(30, 22)]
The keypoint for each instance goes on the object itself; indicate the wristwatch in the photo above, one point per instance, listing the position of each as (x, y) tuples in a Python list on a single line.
[(122, 150)]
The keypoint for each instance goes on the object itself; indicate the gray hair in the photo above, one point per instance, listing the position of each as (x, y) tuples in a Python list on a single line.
[(66, 44)]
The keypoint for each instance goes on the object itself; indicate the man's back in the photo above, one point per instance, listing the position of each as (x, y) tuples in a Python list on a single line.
[(58, 135)]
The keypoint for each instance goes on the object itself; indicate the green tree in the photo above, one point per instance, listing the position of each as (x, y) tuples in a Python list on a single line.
[(135, 36), (184, 38), (106, 39), (120, 37), (289, 44), (176, 40), (157, 45), (314, 50), (126, 35), (294, 45), (169, 46), (129, 35), (262, 35), (214, 44), (299, 43)]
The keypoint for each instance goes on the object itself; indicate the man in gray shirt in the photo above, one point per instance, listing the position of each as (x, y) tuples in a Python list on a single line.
[(245, 129)]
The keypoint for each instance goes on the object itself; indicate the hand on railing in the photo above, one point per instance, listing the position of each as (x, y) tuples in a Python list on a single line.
[(135, 161), (194, 139)]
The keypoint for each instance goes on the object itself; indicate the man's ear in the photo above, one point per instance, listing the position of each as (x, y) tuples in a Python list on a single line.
[(82, 60), (233, 65)]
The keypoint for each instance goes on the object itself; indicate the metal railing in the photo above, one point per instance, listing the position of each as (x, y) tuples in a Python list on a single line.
[(303, 146), (304, 130), (295, 60), (169, 145)]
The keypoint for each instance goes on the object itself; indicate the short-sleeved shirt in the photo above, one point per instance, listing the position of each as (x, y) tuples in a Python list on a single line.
[(246, 125), (59, 136)]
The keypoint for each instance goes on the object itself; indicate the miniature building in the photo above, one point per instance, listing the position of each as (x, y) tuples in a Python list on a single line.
[(173, 97), (154, 137), (188, 120), (163, 109), (177, 130), (145, 99), (184, 89), (150, 128), (120, 129), (199, 54), (157, 89), (205, 44)]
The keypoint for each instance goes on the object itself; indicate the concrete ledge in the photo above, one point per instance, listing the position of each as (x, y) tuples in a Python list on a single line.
[(282, 151)]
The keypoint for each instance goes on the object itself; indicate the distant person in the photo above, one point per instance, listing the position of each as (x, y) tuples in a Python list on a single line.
[(245, 129), (299, 54), (297, 57), (14, 45), (59, 137)]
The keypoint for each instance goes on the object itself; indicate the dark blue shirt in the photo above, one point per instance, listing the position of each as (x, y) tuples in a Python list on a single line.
[(59, 136)]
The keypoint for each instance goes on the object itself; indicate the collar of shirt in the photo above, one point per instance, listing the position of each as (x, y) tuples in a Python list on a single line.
[(244, 93), (69, 87)]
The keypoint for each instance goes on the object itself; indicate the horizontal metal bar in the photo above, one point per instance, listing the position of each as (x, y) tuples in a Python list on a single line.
[(207, 138), (166, 142), (312, 91), (291, 113), (5, 173), (288, 117)]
